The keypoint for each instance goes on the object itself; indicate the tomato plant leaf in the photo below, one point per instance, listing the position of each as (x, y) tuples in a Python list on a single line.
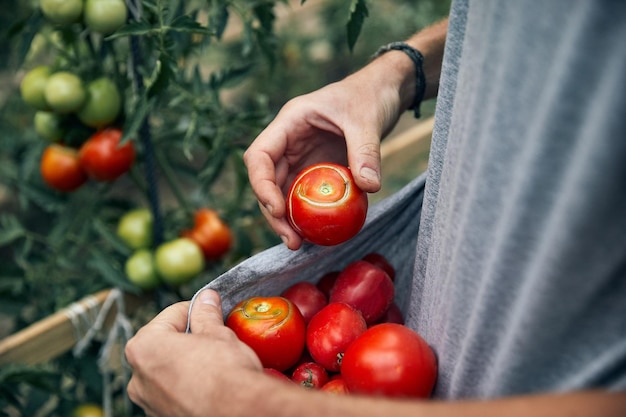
[(218, 16), (110, 271), (136, 28), (186, 23), (10, 229), (358, 13), (110, 237)]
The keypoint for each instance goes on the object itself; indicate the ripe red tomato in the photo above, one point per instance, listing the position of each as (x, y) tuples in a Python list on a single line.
[(277, 374), (307, 297), (365, 287), (392, 315), (381, 262), (325, 206), (336, 386), (60, 168), (330, 332), (273, 327), (210, 233), (326, 282), (103, 158), (391, 360), (310, 375)]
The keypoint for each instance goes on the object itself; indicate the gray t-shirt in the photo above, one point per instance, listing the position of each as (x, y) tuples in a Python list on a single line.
[(520, 270)]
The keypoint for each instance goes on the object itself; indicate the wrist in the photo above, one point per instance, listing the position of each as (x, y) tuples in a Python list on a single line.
[(419, 80)]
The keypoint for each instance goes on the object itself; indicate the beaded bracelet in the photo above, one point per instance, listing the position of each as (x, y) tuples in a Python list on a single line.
[(418, 59)]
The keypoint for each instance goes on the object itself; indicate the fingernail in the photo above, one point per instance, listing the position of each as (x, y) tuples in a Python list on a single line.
[(209, 298), (284, 239), (269, 208), (369, 175)]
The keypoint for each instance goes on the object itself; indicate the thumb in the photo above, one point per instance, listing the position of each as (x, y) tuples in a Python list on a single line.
[(206, 312), (364, 160)]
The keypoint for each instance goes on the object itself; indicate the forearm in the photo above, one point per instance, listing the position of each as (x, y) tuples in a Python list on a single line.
[(398, 70), (577, 404)]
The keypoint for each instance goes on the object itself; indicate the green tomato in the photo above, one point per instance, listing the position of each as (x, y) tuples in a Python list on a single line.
[(65, 92), (135, 228), (33, 87), (48, 125), (140, 270), (179, 261), (105, 16), (103, 103), (62, 12)]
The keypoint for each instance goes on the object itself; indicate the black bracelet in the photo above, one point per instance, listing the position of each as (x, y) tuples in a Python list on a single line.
[(420, 79)]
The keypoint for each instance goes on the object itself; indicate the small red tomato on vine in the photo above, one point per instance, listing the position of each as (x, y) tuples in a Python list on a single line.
[(60, 168), (210, 233), (325, 206), (102, 156), (273, 327)]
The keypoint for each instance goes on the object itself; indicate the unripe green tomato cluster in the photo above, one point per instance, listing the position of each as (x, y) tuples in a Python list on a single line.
[(101, 16), (174, 262), (55, 95)]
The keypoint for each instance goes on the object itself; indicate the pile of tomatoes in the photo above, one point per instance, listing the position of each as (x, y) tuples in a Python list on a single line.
[(177, 261), (67, 101), (344, 334)]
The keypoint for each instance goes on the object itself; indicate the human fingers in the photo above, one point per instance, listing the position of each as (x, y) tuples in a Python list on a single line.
[(364, 157), (281, 226), (206, 312), (172, 318)]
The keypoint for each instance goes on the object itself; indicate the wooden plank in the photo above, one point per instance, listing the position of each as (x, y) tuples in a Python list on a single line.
[(58, 333)]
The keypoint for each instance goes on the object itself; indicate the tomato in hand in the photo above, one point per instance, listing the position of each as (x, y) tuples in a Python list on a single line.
[(273, 327), (310, 375), (365, 287), (102, 105), (330, 332), (60, 168), (391, 360), (210, 233), (178, 261), (105, 16), (307, 297), (65, 92), (325, 206), (102, 157)]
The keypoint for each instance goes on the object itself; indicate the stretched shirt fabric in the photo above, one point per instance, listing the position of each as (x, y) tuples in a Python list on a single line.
[(520, 275)]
